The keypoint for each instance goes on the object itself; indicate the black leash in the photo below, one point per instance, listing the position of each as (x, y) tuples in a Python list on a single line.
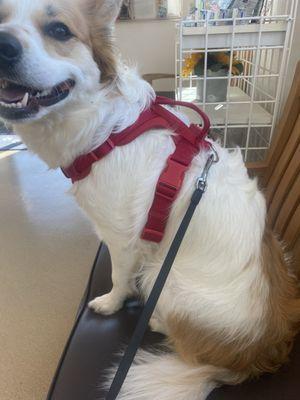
[(150, 305)]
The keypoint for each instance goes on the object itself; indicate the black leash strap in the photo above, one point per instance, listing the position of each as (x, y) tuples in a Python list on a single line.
[(150, 305)]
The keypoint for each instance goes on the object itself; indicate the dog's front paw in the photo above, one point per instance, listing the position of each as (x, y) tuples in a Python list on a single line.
[(107, 304)]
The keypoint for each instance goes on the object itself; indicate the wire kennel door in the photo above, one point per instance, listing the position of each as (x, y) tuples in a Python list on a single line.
[(243, 108)]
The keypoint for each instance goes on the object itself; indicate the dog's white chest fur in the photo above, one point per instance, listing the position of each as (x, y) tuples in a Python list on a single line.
[(120, 188), (117, 196)]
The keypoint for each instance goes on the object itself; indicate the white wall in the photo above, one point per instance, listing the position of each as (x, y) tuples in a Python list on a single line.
[(150, 45)]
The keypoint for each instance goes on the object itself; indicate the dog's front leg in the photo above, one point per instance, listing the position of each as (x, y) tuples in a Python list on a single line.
[(124, 264)]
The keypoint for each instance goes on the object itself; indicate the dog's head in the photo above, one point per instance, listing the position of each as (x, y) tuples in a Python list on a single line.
[(53, 52)]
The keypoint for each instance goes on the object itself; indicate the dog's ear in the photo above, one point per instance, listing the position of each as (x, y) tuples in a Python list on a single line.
[(102, 16), (106, 10)]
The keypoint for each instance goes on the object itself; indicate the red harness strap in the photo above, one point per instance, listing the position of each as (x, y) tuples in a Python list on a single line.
[(189, 141)]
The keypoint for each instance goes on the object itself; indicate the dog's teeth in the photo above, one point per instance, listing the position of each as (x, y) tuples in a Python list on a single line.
[(4, 84), (20, 105), (16, 105), (25, 100), (7, 105), (45, 93)]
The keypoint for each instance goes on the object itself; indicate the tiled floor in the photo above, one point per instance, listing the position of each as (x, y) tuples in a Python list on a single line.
[(46, 253)]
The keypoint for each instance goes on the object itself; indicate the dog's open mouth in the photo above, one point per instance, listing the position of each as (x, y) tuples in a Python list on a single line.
[(19, 102)]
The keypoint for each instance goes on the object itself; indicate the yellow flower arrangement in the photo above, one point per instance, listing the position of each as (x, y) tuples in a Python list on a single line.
[(190, 63), (194, 63)]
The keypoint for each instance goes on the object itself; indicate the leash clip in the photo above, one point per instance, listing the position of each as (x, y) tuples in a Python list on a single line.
[(201, 183)]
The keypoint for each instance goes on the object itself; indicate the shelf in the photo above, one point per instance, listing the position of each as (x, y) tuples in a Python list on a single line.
[(272, 34), (144, 20), (238, 113)]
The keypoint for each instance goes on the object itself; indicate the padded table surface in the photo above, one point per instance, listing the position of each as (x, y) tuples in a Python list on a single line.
[(96, 339)]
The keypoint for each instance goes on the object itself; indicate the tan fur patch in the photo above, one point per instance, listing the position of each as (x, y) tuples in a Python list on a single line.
[(241, 354), (5, 11), (70, 16), (104, 52), (85, 22), (102, 41)]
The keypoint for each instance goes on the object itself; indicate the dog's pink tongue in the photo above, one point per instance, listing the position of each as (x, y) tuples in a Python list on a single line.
[(12, 95)]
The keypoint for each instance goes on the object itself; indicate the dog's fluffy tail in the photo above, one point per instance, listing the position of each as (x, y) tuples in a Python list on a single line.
[(165, 377)]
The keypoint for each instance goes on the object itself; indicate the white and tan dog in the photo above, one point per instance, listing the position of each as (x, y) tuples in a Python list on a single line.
[(230, 306)]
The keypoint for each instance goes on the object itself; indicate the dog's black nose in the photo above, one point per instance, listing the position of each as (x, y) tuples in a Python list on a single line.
[(10, 50)]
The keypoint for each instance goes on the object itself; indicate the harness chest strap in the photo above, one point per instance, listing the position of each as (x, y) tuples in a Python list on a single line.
[(189, 141)]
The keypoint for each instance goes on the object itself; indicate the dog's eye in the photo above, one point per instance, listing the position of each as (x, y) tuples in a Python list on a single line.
[(58, 31)]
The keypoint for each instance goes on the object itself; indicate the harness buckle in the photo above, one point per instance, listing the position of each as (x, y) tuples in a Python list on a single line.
[(171, 179)]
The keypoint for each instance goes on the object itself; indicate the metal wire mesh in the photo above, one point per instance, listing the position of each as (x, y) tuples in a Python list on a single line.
[(243, 107)]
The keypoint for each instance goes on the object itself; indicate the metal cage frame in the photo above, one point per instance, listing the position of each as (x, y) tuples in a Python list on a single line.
[(253, 99)]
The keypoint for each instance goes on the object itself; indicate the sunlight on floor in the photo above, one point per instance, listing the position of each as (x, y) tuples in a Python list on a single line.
[(7, 153)]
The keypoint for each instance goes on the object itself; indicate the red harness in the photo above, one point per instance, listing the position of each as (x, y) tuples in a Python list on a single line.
[(189, 141)]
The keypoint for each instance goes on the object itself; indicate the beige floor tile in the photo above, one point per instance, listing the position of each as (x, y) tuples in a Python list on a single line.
[(47, 248)]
